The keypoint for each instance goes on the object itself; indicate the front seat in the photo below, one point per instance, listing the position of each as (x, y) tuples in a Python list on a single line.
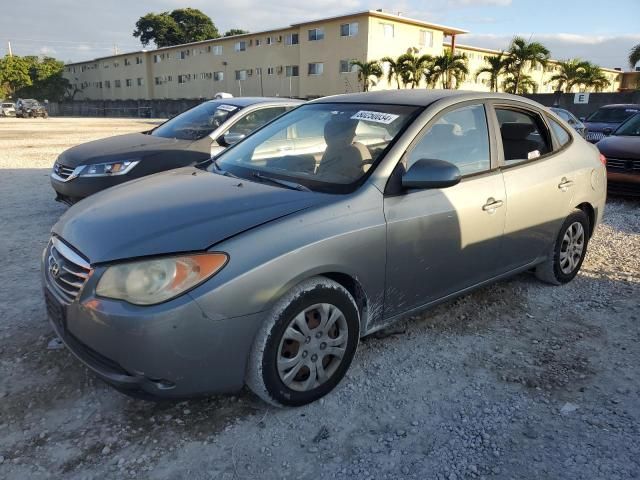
[(515, 141), (343, 157)]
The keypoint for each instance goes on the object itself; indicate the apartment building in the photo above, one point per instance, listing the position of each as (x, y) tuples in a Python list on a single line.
[(305, 60)]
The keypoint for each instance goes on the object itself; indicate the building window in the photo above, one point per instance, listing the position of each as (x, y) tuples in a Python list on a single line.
[(127, 62), (116, 64), (157, 80), (315, 68), (388, 30), (183, 54), (218, 76), (292, 71), (99, 84), (117, 83), (269, 70), (258, 42), (107, 84), (258, 70), (241, 74), (241, 46), (157, 58), (292, 39), (183, 78), (345, 66), (426, 38), (140, 81), (349, 29), (138, 60), (316, 34), (217, 49), (269, 40), (128, 82), (105, 65)]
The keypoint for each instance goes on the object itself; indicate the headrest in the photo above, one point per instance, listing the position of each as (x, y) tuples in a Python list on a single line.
[(340, 130), (516, 131)]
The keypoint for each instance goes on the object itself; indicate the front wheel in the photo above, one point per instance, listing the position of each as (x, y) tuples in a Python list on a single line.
[(306, 345), (568, 252)]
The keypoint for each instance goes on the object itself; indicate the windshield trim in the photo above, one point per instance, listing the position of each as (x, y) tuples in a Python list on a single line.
[(319, 186)]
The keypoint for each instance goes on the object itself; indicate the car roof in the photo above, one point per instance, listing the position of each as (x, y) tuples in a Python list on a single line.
[(247, 101), (417, 97)]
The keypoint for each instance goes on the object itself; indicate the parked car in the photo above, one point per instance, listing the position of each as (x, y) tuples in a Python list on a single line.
[(605, 120), (571, 119), (267, 268), (622, 150), (7, 109), (186, 139), (30, 108)]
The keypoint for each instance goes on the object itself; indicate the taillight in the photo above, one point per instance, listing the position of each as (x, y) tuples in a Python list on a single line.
[(603, 160)]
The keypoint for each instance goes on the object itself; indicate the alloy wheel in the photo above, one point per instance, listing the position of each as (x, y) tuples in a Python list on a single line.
[(572, 248)]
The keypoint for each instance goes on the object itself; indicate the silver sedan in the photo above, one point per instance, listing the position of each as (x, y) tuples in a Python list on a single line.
[(335, 220)]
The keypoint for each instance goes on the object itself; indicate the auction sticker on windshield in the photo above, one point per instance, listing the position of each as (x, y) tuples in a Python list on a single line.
[(377, 117), (227, 108)]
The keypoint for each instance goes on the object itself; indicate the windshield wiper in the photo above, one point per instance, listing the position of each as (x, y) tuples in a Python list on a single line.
[(222, 172), (278, 181)]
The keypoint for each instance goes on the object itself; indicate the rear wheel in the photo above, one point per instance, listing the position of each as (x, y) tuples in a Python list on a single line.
[(306, 345), (568, 252)]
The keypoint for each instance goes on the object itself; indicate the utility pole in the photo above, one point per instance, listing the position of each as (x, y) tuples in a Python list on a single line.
[(115, 49), (9, 48)]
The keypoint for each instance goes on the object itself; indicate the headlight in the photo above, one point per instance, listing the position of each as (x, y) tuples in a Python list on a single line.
[(108, 169), (154, 281)]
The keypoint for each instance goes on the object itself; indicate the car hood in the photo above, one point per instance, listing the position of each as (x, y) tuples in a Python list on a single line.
[(618, 146), (600, 126), (181, 210), (121, 147)]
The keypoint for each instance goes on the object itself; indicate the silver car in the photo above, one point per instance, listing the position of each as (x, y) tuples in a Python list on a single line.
[(329, 223)]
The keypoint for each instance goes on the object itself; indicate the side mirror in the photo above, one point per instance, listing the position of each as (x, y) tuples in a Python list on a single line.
[(427, 173), (230, 138)]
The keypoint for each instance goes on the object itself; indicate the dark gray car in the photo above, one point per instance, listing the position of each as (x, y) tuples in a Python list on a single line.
[(605, 120), (189, 138), (329, 223), (571, 119)]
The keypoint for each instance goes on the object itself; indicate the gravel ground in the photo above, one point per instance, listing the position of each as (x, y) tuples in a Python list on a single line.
[(517, 380)]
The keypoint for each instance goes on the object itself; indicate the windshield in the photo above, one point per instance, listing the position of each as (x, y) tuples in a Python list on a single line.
[(325, 146), (197, 122), (630, 128), (612, 115), (7, 105)]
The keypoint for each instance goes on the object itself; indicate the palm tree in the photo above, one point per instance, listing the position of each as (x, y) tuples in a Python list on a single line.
[(570, 74), (593, 77), (412, 67), (449, 67), (634, 55), (495, 67), (395, 69), (367, 70), (522, 55), (520, 85)]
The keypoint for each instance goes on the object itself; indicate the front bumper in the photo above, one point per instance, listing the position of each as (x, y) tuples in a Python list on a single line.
[(171, 350), (75, 189)]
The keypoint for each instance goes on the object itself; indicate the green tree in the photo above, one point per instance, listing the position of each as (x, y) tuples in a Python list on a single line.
[(592, 77), (569, 75), (523, 84), (412, 67), (183, 25), (47, 80), (368, 73), (494, 66), (394, 69), (14, 74), (634, 55), (450, 69), (523, 55), (235, 31)]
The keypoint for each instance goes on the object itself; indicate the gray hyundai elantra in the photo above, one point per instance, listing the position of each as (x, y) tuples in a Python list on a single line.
[(333, 221)]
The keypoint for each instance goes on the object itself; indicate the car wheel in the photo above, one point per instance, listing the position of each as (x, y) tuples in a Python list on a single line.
[(568, 252), (306, 345)]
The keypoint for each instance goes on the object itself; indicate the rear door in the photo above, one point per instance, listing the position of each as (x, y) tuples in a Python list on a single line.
[(539, 181)]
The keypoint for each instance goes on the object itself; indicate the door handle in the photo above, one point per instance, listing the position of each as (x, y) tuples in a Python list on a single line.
[(565, 184), (492, 204)]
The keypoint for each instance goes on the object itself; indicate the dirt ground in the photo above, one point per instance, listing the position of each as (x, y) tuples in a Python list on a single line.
[(517, 380)]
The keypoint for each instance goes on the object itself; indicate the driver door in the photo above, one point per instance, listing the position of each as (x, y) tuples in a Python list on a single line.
[(441, 241)]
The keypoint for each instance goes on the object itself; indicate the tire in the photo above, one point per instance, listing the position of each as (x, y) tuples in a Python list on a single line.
[(299, 381), (564, 262)]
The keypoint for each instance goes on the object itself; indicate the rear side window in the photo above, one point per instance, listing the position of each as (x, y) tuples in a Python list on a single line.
[(561, 134), (524, 136)]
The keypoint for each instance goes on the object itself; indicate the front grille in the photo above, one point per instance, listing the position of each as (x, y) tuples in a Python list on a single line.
[(62, 171), (67, 271), (595, 136), (623, 165)]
